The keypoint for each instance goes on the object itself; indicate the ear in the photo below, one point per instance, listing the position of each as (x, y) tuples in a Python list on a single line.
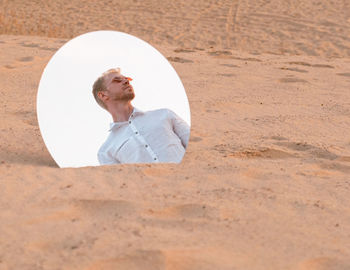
[(103, 96)]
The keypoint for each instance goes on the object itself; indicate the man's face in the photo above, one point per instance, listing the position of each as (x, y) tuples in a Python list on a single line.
[(118, 87)]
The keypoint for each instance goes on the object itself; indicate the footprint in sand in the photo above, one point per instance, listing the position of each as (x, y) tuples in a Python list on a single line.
[(311, 65), (192, 210), (220, 53), (229, 65), (106, 208), (27, 117), (252, 59), (212, 111), (179, 60), (62, 41), (336, 167), (296, 146), (310, 150), (278, 138), (300, 63), (26, 59), (29, 45), (226, 74), (322, 263), (195, 139), (322, 66), (344, 158), (184, 211), (344, 74), (34, 45), (295, 69), (292, 80), (48, 49), (180, 50), (138, 259), (268, 153)]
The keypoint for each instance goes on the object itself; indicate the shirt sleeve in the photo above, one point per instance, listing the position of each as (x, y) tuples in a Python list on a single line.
[(105, 159), (180, 127)]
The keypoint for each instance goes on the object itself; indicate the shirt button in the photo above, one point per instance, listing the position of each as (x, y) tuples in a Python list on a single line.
[(129, 122), (136, 132), (155, 158), (146, 145)]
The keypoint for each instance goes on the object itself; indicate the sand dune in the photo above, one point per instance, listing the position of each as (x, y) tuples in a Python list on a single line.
[(320, 28), (264, 183)]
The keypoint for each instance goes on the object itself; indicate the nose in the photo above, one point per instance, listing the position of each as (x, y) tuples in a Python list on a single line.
[(126, 81)]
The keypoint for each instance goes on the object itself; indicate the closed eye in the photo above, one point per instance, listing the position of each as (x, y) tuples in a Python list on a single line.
[(117, 80)]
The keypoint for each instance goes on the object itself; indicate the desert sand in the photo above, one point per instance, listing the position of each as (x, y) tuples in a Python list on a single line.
[(264, 184)]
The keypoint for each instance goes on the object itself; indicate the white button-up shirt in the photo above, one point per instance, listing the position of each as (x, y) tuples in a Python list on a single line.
[(147, 137)]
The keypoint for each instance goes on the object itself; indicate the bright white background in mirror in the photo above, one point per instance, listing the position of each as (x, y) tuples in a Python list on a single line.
[(73, 126)]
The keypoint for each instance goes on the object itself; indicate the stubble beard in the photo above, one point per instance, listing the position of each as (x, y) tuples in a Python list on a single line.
[(128, 96)]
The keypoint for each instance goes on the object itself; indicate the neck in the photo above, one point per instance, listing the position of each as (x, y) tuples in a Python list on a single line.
[(121, 111)]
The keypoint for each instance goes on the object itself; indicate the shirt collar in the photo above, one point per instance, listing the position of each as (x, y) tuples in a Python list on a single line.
[(136, 111), (116, 125)]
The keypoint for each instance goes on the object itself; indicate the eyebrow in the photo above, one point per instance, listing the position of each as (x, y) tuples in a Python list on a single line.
[(118, 77), (115, 77)]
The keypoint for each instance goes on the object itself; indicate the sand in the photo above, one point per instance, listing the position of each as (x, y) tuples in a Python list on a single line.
[(265, 180)]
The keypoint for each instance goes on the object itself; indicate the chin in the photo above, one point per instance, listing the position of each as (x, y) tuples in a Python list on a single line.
[(129, 96)]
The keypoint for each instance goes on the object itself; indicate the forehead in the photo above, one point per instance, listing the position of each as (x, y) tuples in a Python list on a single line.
[(110, 76)]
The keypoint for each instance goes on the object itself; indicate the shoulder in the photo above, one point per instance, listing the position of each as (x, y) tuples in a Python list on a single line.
[(161, 112)]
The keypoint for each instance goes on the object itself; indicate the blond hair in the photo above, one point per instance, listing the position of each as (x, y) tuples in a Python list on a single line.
[(99, 85)]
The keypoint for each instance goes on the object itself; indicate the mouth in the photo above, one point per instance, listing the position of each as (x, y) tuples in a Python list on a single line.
[(128, 87)]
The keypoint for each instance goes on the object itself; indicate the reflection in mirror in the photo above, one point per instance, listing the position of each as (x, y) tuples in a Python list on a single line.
[(107, 97)]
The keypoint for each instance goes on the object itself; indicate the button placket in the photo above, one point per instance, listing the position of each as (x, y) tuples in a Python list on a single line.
[(141, 138)]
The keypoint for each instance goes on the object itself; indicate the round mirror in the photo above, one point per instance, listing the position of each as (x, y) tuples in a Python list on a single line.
[(71, 122)]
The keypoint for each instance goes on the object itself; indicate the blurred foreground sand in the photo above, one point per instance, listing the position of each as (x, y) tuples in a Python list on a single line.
[(265, 180)]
